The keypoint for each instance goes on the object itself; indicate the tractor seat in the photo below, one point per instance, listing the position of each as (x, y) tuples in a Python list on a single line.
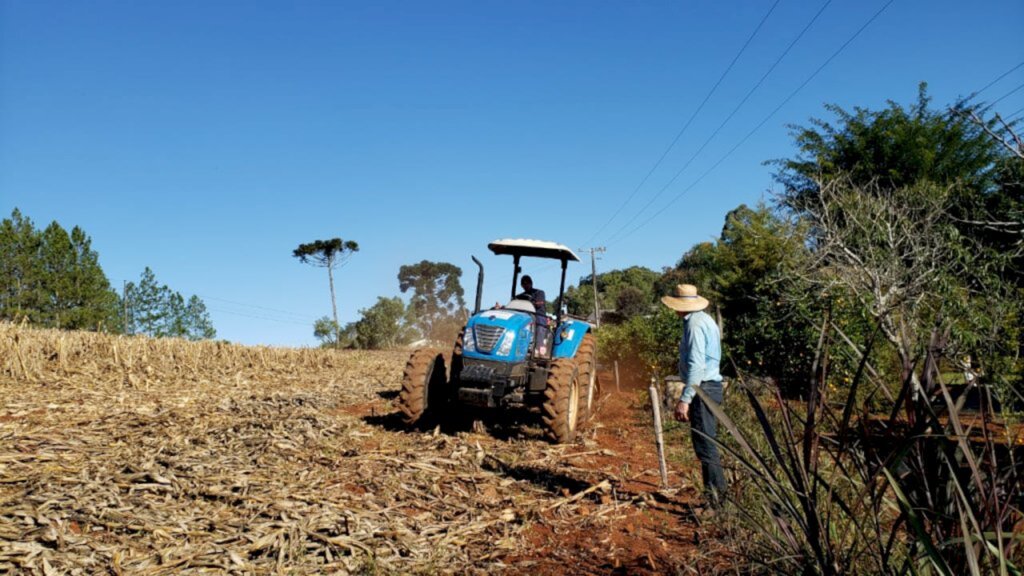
[(522, 306)]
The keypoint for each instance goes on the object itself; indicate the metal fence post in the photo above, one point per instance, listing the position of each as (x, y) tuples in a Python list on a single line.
[(658, 436)]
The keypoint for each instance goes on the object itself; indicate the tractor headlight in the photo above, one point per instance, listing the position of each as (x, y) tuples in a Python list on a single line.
[(506, 343), (468, 341)]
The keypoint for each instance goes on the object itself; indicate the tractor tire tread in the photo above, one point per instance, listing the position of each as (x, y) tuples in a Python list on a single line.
[(586, 360), (418, 373), (556, 410)]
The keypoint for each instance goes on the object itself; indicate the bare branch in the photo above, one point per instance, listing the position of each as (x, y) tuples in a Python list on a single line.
[(1012, 142)]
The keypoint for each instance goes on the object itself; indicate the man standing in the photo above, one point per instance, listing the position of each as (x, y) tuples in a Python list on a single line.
[(700, 352)]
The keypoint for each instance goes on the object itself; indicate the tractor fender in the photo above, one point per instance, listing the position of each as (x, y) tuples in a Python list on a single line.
[(569, 337)]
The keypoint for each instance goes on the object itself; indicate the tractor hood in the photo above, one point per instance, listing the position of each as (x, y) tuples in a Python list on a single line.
[(498, 334)]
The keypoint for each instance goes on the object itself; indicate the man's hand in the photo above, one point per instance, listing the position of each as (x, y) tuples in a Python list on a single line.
[(682, 412)]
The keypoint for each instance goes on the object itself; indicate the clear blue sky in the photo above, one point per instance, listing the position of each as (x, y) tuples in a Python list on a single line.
[(207, 139)]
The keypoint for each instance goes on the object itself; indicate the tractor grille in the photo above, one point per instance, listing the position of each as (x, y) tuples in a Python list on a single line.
[(487, 337)]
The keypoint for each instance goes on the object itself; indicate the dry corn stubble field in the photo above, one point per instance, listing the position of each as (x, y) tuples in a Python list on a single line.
[(126, 455)]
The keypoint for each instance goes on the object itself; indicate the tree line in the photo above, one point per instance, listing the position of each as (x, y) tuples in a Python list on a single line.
[(52, 278), (894, 224)]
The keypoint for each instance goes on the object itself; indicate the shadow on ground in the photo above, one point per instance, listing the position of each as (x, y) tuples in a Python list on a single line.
[(391, 422), (551, 480), (503, 425)]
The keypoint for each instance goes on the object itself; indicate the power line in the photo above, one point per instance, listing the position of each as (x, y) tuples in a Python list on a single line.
[(727, 118), (244, 305), (295, 318), (258, 317), (1003, 97), (688, 122), (990, 84), (765, 120)]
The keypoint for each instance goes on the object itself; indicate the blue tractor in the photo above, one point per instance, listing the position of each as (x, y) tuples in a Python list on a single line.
[(510, 356)]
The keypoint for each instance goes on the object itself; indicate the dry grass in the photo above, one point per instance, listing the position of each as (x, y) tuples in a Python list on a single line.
[(136, 456)]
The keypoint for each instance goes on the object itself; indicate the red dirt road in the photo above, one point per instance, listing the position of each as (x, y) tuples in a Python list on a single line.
[(656, 533), (637, 529)]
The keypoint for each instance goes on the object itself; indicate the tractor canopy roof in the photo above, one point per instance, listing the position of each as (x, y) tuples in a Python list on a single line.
[(535, 248)]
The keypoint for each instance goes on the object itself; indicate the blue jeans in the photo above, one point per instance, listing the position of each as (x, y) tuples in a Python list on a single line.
[(703, 430)]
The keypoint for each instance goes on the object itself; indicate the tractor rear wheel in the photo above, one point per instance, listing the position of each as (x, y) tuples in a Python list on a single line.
[(586, 360), (424, 387), (561, 410)]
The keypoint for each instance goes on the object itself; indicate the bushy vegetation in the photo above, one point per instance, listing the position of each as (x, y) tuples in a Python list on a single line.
[(436, 312), (629, 292), (745, 274), (859, 309)]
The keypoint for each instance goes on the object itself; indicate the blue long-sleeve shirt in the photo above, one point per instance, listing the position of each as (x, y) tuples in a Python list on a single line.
[(700, 352)]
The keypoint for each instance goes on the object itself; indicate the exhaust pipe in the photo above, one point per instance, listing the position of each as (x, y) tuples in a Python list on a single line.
[(479, 285)]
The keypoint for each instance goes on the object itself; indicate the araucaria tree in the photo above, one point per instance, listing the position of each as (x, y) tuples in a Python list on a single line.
[(437, 303), (328, 254)]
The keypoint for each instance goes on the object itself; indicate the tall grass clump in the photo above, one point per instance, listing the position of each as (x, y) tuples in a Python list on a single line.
[(827, 487)]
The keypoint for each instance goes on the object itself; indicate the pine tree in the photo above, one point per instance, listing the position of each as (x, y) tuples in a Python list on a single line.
[(147, 308), (56, 258), (20, 268), (156, 310), (77, 294), (197, 320), (174, 324), (53, 278)]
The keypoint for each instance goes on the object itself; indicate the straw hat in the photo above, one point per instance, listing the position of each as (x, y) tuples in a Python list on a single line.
[(685, 299)]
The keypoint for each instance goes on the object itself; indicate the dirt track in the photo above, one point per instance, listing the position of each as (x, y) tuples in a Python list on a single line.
[(270, 467), (635, 529)]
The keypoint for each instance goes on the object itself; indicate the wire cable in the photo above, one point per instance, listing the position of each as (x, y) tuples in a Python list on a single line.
[(763, 122), (1003, 97), (258, 317), (990, 84), (689, 121), (727, 119), (265, 308)]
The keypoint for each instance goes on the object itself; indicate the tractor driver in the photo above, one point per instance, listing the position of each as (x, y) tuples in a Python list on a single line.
[(536, 297)]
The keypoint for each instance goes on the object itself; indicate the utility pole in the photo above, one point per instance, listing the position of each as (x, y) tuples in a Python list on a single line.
[(124, 299), (593, 277)]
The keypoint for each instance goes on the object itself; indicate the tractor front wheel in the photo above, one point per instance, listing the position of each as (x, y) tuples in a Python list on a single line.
[(455, 366), (424, 386), (561, 410)]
